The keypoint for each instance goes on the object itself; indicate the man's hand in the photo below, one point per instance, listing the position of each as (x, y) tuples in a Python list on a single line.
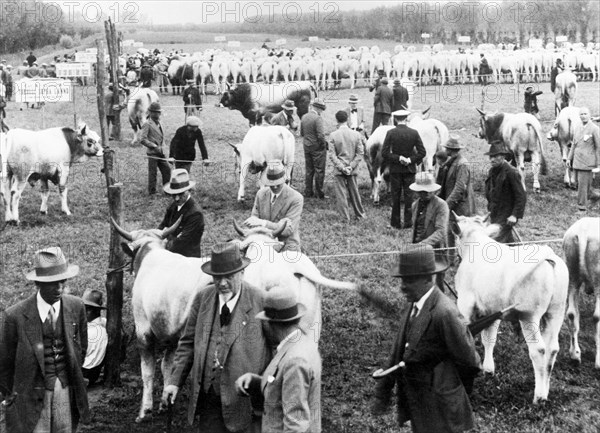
[(242, 384), (169, 394), (347, 171), (171, 160), (206, 161), (568, 163), (254, 222), (511, 220)]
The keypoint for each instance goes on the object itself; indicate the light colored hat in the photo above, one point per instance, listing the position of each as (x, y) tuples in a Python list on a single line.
[(93, 298), (353, 98), (281, 305), (193, 121), (288, 105), (50, 264), (8, 66), (180, 182), (401, 113), (318, 103), (397, 82), (424, 182), (225, 259), (275, 173)]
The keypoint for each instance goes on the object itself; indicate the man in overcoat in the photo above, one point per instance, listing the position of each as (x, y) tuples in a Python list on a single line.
[(315, 149), (182, 148), (504, 192), (400, 96), (435, 351), (382, 103), (43, 341), (222, 340)]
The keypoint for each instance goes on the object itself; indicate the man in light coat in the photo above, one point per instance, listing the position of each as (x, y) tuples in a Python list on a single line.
[(291, 384), (584, 157), (278, 202)]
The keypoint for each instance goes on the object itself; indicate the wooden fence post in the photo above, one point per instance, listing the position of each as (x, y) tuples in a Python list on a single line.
[(113, 52)]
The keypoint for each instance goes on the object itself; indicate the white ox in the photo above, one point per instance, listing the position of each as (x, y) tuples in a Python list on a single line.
[(137, 108), (581, 245), (47, 155), (493, 276), (260, 145), (162, 299), (565, 128), (565, 90)]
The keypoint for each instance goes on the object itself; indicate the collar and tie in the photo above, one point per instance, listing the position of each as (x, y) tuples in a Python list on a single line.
[(225, 315), (273, 198), (354, 110), (51, 318)]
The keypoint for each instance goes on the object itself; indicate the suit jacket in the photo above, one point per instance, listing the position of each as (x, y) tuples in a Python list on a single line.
[(288, 206), (22, 361), (457, 188), (505, 193), (360, 117), (436, 222), (383, 100), (246, 351), (186, 239), (311, 128), (440, 355), (400, 98), (585, 151), (152, 135), (291, 386), (182, 145), (347, 149), (403, 141)]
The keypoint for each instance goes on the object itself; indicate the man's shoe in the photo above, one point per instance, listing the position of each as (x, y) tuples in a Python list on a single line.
[(582, 209), (323, 197)]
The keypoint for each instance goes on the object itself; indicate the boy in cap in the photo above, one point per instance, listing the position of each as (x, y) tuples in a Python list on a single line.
[(182, 144), (43, 341), (152, 137), (97, 336), (291, 384)]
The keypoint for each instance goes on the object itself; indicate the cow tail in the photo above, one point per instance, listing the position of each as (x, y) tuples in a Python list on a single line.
[(314, 89), (581, 248)]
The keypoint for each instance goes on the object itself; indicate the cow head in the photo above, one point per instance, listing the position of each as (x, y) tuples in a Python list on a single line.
[(490, 125), (225, 99), (92, 144), (259, 237)]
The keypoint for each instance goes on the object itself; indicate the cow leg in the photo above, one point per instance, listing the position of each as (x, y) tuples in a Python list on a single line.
[(488, 339), (521, 167), (530, 327), (243, 174), (535, 167), (550, 331), (16, 190), (166, 367), (62, 187), (44, 193), (6, 197), (148, 364), (573, 320), (597, 322)]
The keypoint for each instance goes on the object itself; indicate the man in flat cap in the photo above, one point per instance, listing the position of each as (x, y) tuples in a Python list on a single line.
[(43, 341), (182, 148)]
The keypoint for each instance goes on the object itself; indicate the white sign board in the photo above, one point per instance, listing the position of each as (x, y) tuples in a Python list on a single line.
[(280, 42), (137, 44), (91, 50), (313, 39), (233, 44), (128, 42), (561, 38), (73, 70), (85, 57), (425, 35), (463, 39), (220, 38), (43, 90), (536, 44)]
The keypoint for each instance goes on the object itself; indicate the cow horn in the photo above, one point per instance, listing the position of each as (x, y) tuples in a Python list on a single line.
[(235, 149), (169, 230), (486, 217), (238, 229), (480, 112), (279, 229), (121, 231), (426, 110)]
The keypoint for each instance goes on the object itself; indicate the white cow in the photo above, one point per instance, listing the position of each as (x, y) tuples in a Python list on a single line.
[(434, 134), (137, 108), (581, 245), (493, 276), (565, 129)]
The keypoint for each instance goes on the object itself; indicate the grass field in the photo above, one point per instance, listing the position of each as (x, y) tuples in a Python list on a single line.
[(356, 337)]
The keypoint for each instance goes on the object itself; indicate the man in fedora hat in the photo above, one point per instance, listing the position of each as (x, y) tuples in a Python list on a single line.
[(291, 384), (182, 149), (185, 240), (402, 151), (192, 100), (278, 202), (315, 149), (382, 103), (222, 340), (285, 117), (436, 350), (347, 150), (43, 341), (152, 137), (97, 336), (430, 218), (504, 192), (400, 96), (356, 114)]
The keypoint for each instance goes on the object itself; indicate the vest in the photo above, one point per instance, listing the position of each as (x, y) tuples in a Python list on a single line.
[(215, 354), (55, 362), (420, 221)]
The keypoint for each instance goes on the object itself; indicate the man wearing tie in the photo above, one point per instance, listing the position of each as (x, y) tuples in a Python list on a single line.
[(434, 350), (356, 114), (222, 340), (43, 341), (278, 202)]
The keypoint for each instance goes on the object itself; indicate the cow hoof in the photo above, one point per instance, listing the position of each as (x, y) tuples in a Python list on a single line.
[(147, 417), (536, 190), (44, 212)]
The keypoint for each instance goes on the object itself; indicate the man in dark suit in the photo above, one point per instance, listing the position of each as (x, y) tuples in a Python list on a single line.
[(278, 202), (402, 151), (222, 340), (185, 240), (43, 341), (400, 96), (382, 102), (152, 137), (182, 148), (315, 149), (434, 351)]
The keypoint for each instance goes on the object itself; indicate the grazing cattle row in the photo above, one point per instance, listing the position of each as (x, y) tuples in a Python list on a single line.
[(166, 284), (47, 155)]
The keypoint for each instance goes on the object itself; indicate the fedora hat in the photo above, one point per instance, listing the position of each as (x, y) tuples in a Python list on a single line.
[(353, 98), (275, 173), (401, 113), (93, 298), (384, 80), (288, 105), (424, 181), (225, 259), (453, 144), (281, 305), (50, 264), (180, 182), (397, 82), (497, 147), (418, 259), (155, 106), (318, 103)]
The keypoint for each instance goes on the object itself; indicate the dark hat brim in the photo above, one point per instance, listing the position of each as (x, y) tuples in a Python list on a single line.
[(301, 312), (92, 304), (439, 267), (207, 268), (72, 270), (172, 191), (501, 152)]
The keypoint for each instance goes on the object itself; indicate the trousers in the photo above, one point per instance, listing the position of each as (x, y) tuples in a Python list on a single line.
[(315, 161), (400, 182), (346, 187), (165, 172)]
